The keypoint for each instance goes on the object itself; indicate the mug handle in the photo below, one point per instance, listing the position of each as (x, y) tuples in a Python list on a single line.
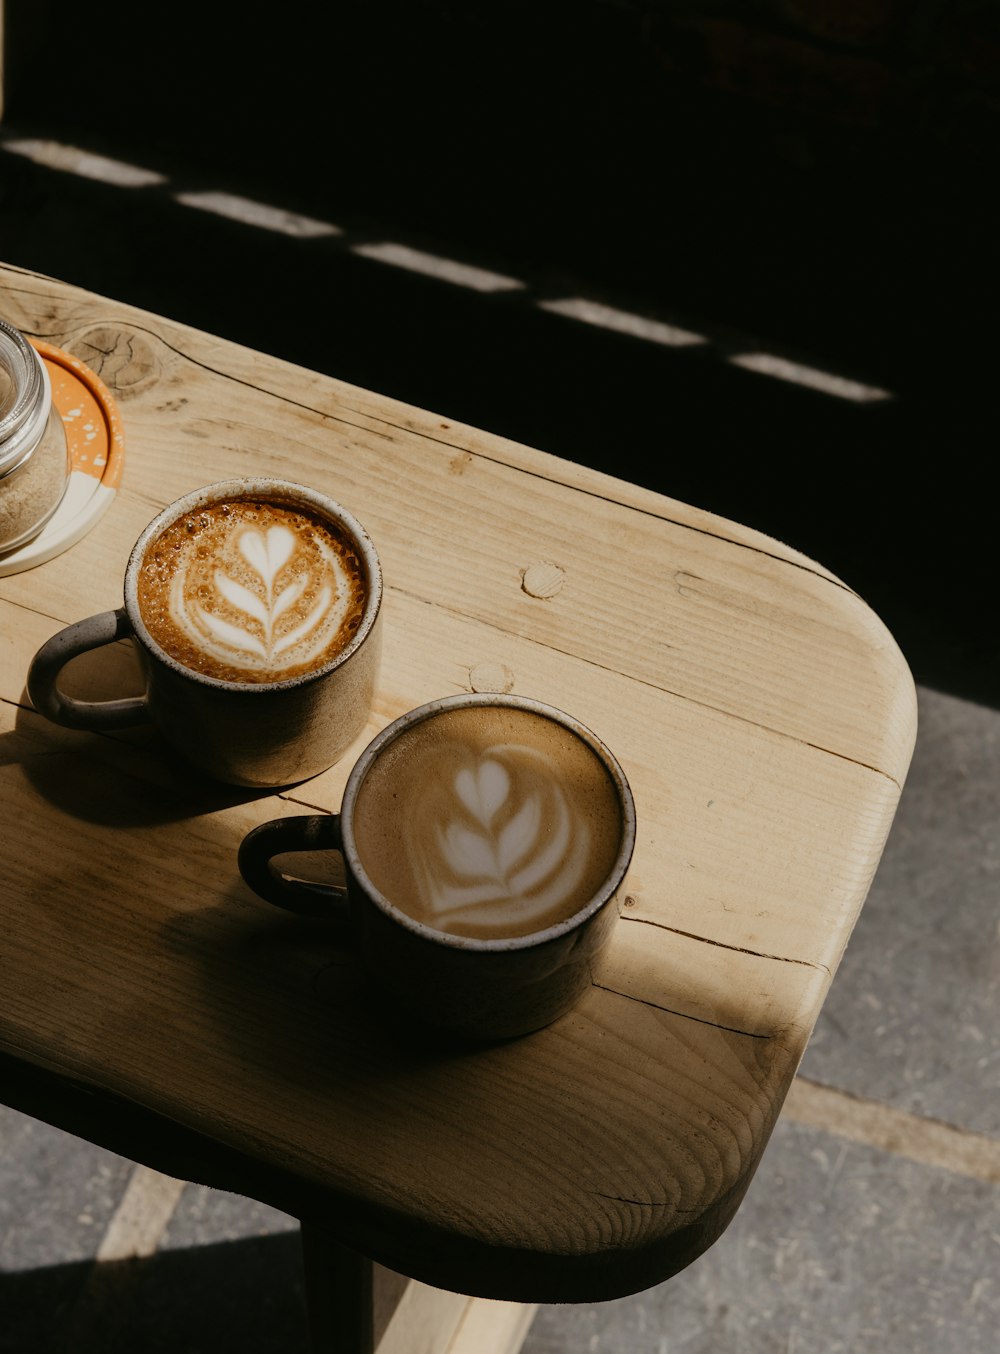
[(55, 653), (307, 832)]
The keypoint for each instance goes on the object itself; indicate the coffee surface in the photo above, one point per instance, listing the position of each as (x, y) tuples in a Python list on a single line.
[(252, 591), (488, 822)]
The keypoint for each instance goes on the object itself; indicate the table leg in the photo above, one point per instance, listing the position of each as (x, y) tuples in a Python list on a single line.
[(339, 1292), (357, 1307)]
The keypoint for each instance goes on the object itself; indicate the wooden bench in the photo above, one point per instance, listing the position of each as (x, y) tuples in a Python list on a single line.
[(149, 1002)]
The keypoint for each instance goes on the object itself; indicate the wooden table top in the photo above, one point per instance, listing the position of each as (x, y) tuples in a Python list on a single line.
[(763, 714)]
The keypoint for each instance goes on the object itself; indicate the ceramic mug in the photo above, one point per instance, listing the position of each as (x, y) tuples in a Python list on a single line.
[(254, 605), (484, 840)]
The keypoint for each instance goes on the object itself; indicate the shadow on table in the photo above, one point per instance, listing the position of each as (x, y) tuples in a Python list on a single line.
[(124, 780)]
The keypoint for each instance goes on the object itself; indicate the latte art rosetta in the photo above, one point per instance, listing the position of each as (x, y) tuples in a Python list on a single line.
[(487, 822), (251, 592), (242, 624), (506, 840)]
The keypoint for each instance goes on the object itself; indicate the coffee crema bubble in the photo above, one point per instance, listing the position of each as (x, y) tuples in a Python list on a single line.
[(247, 590), (488, 822)]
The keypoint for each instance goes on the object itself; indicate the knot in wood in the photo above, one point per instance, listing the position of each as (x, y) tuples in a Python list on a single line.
[(125, 362)]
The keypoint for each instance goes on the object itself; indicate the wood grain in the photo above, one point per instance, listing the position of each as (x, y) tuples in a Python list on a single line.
[(763, 714)]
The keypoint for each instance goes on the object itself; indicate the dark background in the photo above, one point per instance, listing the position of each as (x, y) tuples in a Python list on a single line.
[(807, 176)]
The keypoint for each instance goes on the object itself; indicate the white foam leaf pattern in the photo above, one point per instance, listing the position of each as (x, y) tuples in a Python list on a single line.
[(259, 641), (311, 621), (545, 862), (287, 598), (240, 597), (232, 634), (484, 790), (467, 851), (532, 861), (519, 836), (267, 553)]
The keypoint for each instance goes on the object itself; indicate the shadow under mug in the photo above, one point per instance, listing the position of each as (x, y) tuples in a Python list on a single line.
[(469, 986), (255, 734)]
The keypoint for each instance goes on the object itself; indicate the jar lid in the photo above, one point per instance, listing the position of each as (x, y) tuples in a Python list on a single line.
[(22, 381)]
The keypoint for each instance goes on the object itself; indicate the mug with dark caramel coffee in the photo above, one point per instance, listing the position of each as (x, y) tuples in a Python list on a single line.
[(485, 839), (254, 606), (252, 590)]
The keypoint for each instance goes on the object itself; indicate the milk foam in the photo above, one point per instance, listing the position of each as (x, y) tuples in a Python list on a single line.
[(250, 592), (488, 823), (241, 623), (507, 840)]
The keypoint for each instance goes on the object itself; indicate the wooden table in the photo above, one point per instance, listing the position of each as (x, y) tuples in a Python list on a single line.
[(149, 1002)]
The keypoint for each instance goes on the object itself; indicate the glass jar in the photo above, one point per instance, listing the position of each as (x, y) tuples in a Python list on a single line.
[(34, 454)]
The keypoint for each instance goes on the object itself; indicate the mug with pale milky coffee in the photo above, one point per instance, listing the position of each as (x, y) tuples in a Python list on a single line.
[(254, 606), (484, 839)]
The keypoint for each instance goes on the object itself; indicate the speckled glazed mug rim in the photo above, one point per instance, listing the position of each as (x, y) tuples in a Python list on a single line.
[(498, 944)]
